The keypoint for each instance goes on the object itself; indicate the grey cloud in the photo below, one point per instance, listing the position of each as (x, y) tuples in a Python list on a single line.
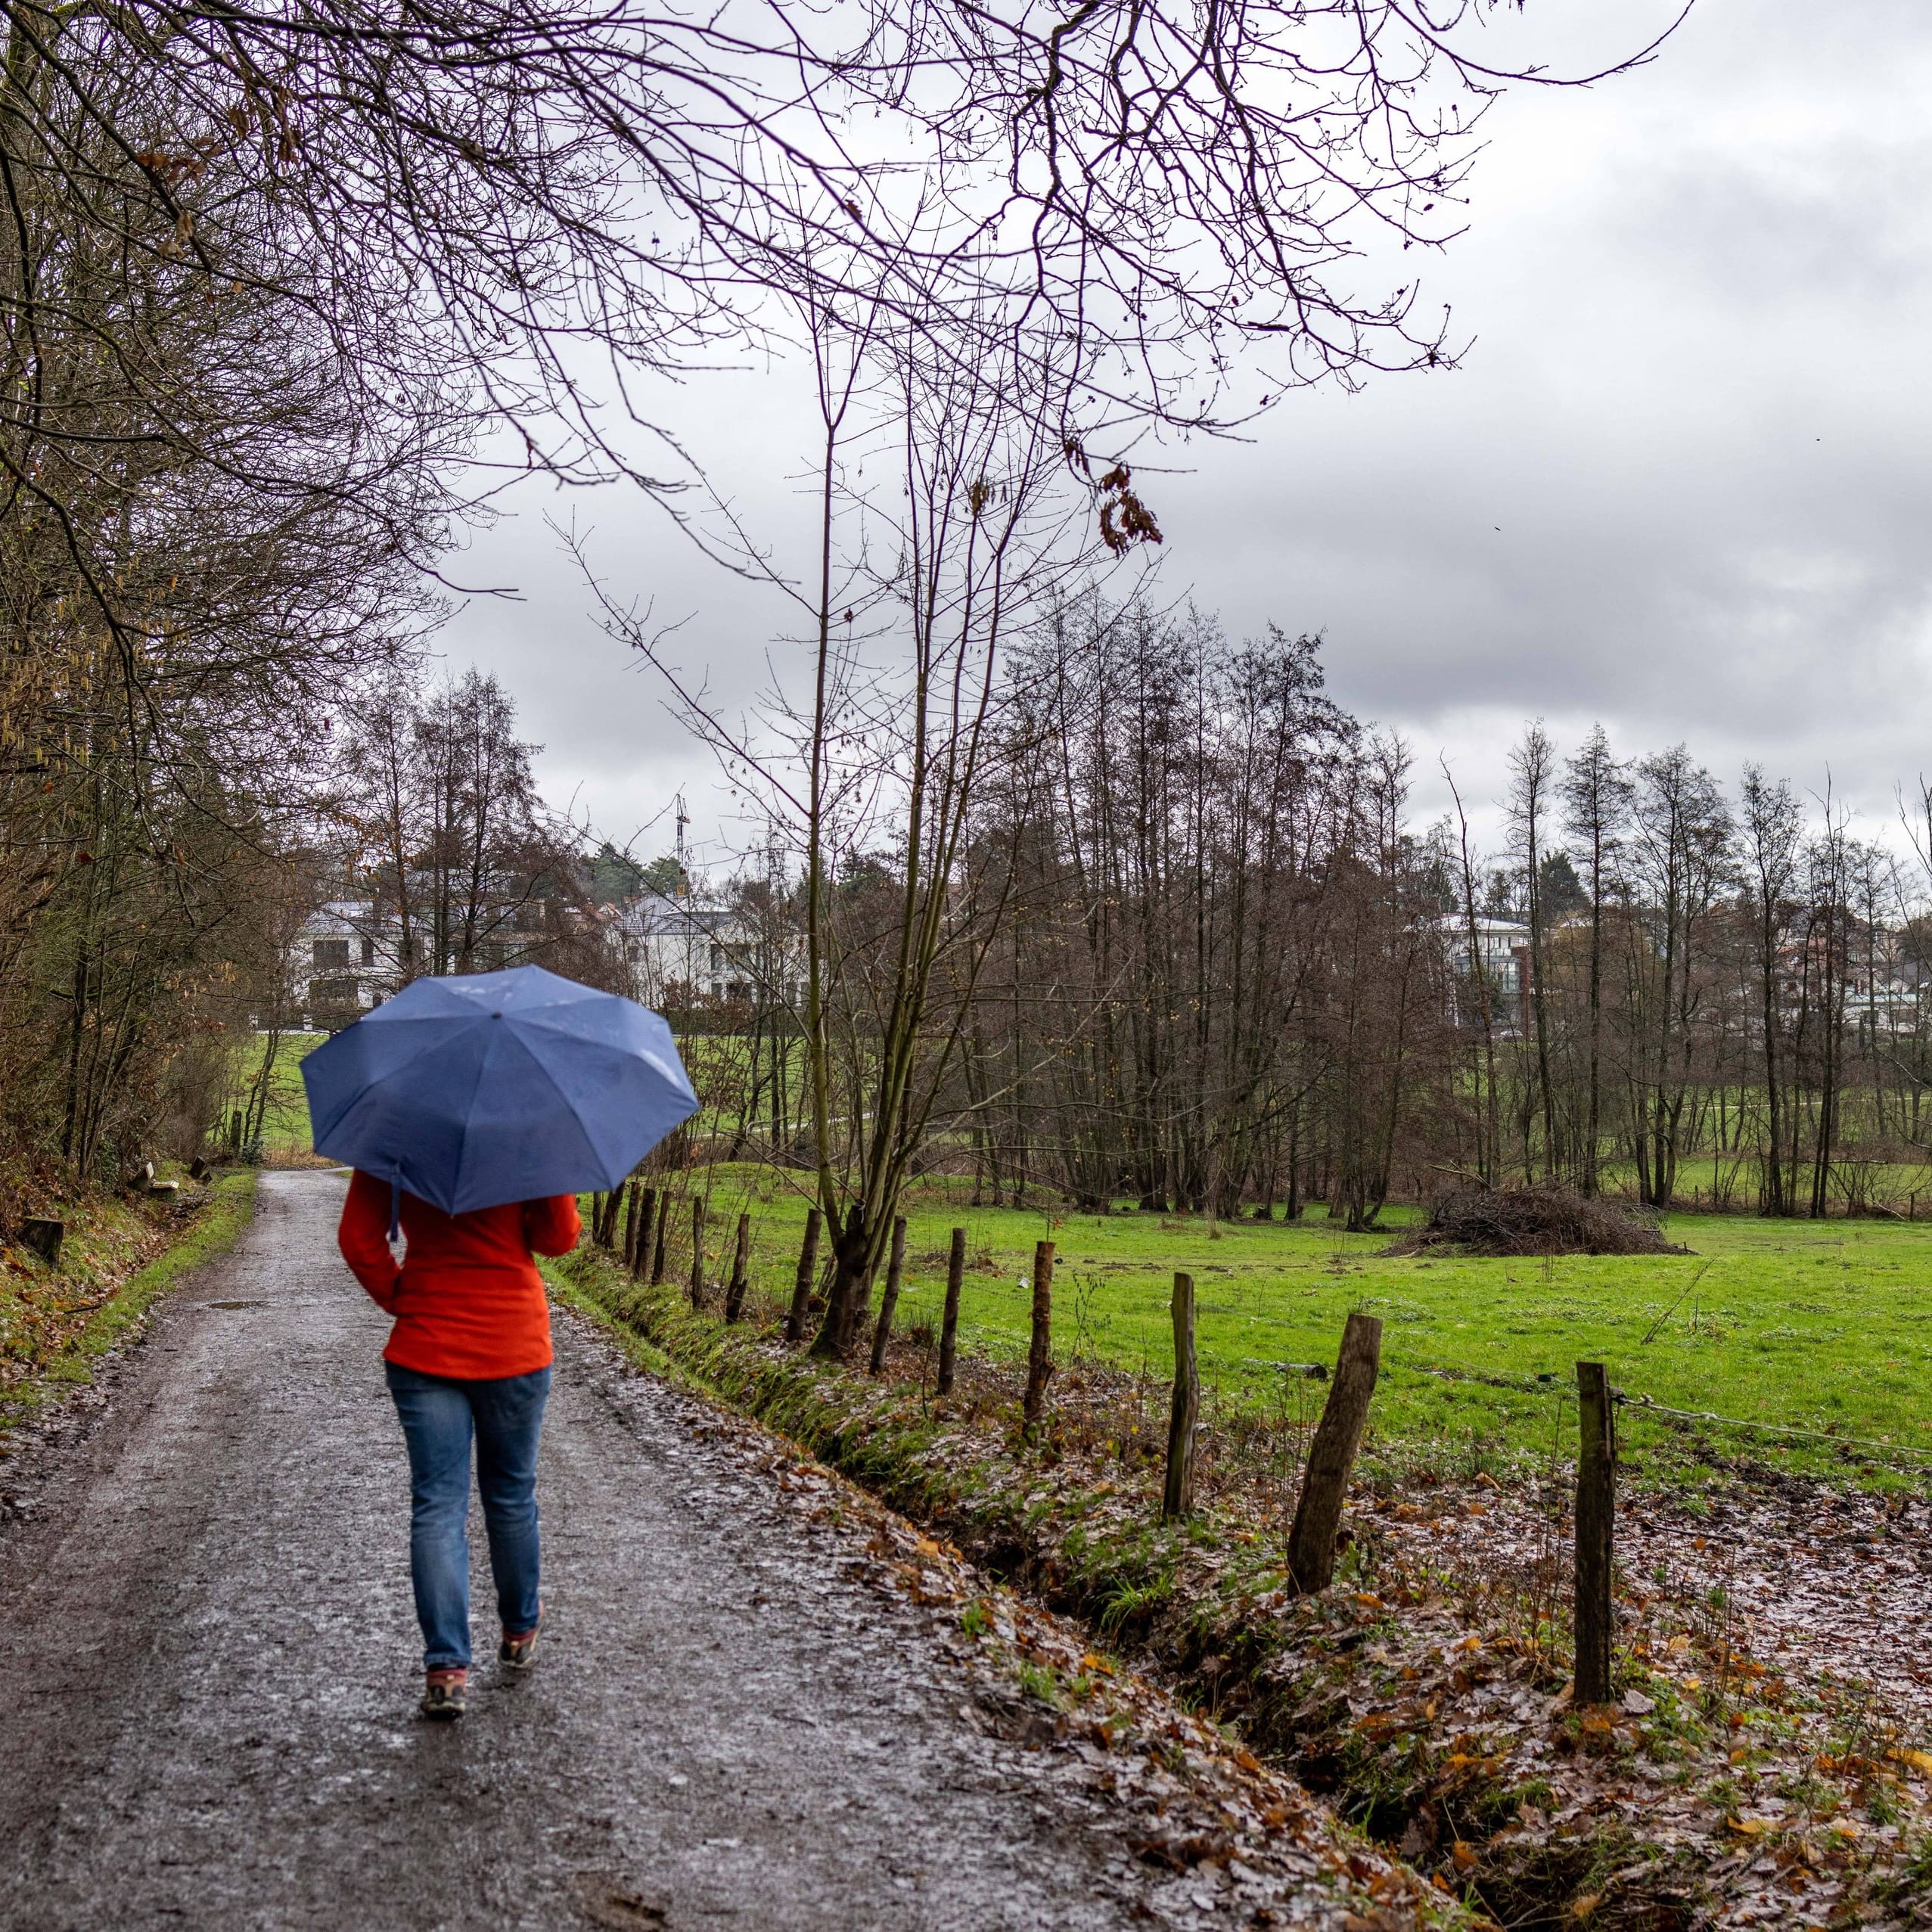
[(1695, 406)]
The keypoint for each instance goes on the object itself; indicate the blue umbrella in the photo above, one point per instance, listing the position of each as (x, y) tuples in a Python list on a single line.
[(494, 1087)]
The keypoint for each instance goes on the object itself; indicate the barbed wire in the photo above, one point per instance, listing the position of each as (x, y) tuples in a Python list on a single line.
[(1553, 1385), (1650, 1405)]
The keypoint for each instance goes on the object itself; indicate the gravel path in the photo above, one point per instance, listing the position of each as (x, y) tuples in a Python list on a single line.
[(211, 1668)]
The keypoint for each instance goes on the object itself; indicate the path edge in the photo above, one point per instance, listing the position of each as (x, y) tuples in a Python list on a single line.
[(121, 1318)]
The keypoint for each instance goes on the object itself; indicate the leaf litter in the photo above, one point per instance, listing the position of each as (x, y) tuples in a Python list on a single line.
[(1222, 1838), (1769, 1761)]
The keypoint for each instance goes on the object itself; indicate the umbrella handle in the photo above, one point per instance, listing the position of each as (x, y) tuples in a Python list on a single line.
[(395, 1206)]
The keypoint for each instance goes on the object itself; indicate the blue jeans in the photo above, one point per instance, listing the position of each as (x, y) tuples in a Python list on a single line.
[(439, 1416)]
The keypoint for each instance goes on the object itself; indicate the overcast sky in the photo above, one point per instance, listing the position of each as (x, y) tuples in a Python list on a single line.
[(1679, 484)]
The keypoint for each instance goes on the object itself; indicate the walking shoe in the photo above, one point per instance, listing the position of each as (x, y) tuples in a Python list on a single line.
[(445, 1694), (519, 1653)]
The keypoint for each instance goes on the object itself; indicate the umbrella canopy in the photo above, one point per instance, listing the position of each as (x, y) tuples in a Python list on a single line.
[(494, 1087)]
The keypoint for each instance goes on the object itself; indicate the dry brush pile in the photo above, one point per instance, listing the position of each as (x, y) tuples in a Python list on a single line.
[(1532, 1221)]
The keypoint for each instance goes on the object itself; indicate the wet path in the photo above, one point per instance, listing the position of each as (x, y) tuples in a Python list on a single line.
[(210, 1669)]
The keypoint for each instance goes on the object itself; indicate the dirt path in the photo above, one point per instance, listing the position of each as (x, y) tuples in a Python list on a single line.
[(209, 1716)]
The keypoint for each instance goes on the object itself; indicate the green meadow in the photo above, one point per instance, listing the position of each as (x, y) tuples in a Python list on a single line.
[(1823, 1327), (285, 1118)]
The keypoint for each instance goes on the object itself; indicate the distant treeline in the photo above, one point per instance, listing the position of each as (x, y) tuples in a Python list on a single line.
[(1218, 965)]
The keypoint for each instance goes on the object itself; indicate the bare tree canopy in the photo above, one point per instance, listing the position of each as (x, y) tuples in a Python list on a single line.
[(519, 181)]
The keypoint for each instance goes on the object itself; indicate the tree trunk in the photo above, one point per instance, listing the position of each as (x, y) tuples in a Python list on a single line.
[(657, 1255), (889, 1302), (630, 1222), (640, 1256), (740, 1271), (807, 1270), (849, 1246), (955, 1276)]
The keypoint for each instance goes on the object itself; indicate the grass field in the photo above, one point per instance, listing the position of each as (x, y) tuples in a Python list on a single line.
[(1803, 1325), (285, 1120), (1822, 1326)]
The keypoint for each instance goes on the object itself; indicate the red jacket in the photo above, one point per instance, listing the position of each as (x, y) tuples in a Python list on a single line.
[(468, 1301)]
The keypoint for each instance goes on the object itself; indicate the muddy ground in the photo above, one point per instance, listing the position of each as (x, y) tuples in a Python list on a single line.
[(739, 1718)]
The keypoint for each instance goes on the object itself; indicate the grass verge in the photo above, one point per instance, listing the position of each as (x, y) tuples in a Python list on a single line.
[(1425, 1694), (119, 1259)]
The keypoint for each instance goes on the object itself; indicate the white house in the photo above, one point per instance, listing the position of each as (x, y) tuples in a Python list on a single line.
[(701, 945), (1502, 952)]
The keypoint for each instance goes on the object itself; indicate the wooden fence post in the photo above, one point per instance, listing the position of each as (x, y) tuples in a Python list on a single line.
[(697, 1253), (663, 1236), (597, 1217), (740, 1271), (895, 1271), (1178, 1499), (1596, 1507), (801, 1287), (955, 1277), (1331, 1455), (1039, 1356), (630, 1219), (646, 1215)]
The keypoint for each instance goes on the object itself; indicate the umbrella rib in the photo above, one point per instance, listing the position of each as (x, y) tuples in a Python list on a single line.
[(463, 1145), (648, 1053)]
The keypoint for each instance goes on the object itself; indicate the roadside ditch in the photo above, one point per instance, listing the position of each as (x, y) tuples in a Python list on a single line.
[(1425, 1695)]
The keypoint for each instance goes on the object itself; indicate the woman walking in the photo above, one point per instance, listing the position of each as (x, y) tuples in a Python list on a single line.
[(468, 1359)]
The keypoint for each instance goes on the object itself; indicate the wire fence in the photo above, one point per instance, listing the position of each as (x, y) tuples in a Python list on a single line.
[(1904, 1459)]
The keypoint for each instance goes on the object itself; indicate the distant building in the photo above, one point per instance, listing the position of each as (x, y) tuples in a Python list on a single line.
[(1501, 953), (688, 947), (345, 961), (680, 948)]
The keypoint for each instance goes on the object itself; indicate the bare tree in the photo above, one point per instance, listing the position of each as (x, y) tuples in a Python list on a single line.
[(1532, 780), (1680, 856), (1596, 796), (1771, 843)]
